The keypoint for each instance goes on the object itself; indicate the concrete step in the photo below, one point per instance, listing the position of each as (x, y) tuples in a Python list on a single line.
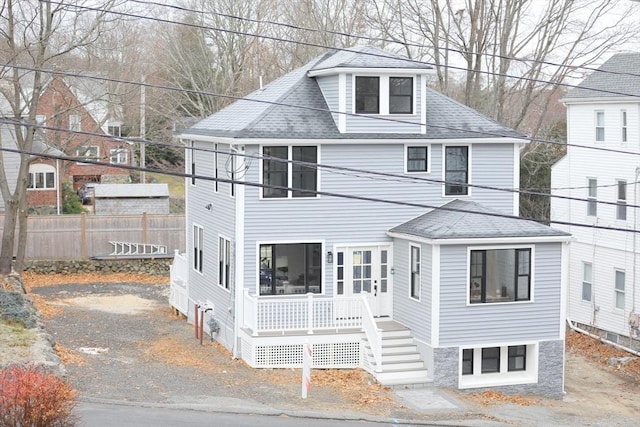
[(411, 376)]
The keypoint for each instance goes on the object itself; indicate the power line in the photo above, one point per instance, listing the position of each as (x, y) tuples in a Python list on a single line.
[(316, 192), (361, 173), (279, 39), (317, 109), (381, 39)]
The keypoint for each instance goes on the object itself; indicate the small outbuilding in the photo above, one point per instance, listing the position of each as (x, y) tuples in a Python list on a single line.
[(128, 199)]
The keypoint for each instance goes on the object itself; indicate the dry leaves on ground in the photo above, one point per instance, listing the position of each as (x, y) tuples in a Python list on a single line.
[(602, 353), (67, 356), (47, 310), (491, 397), (33, 280)]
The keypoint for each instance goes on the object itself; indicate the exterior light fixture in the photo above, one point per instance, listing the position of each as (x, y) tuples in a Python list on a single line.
[(329, 257)]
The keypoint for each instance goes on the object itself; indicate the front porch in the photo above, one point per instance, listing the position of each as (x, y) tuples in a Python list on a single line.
[(342, 332)]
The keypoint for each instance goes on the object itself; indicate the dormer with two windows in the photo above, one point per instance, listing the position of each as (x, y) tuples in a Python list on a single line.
[(372, 91)]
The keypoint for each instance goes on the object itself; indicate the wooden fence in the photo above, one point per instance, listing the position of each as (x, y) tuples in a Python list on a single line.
[(86, 236)]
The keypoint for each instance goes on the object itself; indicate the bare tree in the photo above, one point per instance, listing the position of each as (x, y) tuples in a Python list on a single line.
[(34, 35), (506, 54)]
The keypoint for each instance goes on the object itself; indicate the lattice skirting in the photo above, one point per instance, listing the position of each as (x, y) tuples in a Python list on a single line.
[(329, 352)]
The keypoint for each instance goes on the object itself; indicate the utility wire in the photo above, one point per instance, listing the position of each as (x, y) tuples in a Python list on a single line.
[(485, 134), (298, 42), (360, 173), (315, 192), (380, 39)]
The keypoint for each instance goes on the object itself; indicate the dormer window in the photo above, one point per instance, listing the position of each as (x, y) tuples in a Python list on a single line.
[(400, 95), (368, 95), (383, 95)]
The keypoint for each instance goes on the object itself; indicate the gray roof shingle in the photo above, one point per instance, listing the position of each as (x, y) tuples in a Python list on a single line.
[(462, 219), (366, 57), (274, 112), (608, 79)]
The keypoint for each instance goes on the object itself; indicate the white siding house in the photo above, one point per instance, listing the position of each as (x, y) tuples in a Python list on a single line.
[(599, 177), (348, 205)]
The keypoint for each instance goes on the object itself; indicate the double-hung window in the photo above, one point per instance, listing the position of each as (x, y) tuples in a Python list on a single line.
[(587, 281), (623, 122), (456, 171), (415, 272), (400, 95), (619, 290), (500, 275), (367, 95), (198, 248), (621, 207), (118, 156), (289, 171), (224, 262), (114, 130), (75, 122), (592, 197), (599, 126), (418, 159), (290, 268), (192, 155)]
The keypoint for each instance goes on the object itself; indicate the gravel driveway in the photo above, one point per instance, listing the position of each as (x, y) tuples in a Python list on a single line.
[(121, 342)]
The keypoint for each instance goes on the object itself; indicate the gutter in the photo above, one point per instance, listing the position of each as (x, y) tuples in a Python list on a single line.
[(618, 346)]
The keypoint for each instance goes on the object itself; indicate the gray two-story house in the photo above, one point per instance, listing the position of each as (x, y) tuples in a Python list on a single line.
[(348, 206)]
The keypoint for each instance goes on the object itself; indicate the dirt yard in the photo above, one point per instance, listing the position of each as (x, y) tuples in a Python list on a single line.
[(120, 341)]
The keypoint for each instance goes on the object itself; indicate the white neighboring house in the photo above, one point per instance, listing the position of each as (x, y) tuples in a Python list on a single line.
[(600, 175)]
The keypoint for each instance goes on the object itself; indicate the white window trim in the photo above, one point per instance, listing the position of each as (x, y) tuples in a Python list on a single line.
[(222, 257), (192, 162), (469, 174), (194, 263), (290, 172), (616, 291), (583, 281), (117, 152), (596, 126), (43, 169), (622, 202), (75, 122), (216, 186), (624, 126), (323, 268), (592, 198), (406, 158), (504, 377), (419, 291), (97, 156), (384, 94), (532, 276)]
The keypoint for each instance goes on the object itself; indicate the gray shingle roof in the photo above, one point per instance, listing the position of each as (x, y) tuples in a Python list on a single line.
[(606, 79), (462, 219), (366, 57), (273, 112)]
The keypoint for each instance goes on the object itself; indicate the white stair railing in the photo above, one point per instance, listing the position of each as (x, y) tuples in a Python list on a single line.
[(373, 333)]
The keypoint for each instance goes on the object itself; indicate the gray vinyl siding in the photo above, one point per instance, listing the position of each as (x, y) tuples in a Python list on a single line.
[(479, 324), (412, 313), (220, 220), (329, 87), (336, 220), (372, 124)]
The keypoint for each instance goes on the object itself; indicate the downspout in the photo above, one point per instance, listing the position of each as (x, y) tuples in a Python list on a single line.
[(602, 340)]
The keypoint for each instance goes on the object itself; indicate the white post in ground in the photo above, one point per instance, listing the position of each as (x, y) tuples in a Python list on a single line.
[(307, 359)]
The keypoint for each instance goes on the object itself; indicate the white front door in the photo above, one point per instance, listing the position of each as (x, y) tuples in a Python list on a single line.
[(365, 269)]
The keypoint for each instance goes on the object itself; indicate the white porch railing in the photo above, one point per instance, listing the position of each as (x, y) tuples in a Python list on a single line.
[(309, 313), (129, 248), (178, 297)]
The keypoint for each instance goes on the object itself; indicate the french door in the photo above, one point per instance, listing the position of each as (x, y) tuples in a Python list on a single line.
[(365, 269)]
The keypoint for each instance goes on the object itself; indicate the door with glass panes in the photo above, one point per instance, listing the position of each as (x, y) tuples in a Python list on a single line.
[(365, 269)]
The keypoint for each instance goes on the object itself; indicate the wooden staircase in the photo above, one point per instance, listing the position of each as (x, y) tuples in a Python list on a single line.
[(402, 364)]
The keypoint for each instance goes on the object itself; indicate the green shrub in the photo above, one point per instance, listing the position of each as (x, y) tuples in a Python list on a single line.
[(71, 203), (30, 397)]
